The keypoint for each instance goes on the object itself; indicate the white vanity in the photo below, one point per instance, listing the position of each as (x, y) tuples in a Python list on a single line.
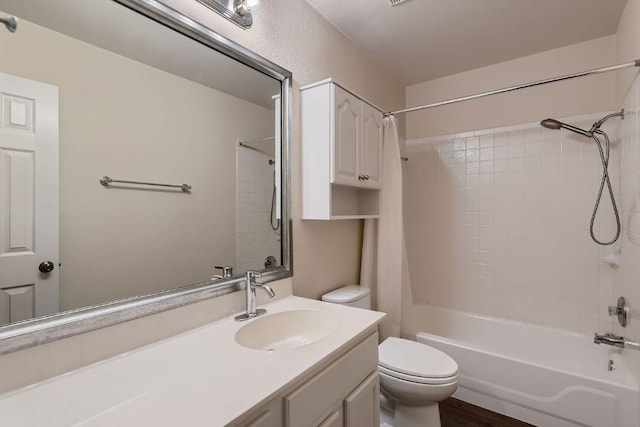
[(306, 373)]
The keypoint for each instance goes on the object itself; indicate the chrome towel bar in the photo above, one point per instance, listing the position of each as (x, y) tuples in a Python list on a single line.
[(11, 22), (106, 181)]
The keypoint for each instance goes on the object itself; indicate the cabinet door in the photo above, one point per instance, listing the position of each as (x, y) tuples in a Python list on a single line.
[(310, 403), (269, 415), (362, 406), (371, 147), (336, 419), (344, 158)]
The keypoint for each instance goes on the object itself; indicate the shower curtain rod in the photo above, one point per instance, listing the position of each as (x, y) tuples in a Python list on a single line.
[(257, 150), (635, 63)]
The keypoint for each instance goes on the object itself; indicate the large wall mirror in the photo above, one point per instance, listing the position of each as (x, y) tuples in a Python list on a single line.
[(102, 91)]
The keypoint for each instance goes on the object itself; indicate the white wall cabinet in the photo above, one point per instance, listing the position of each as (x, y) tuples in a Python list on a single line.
[(371, 147), (357, 141), (341, 154), (343, 394)]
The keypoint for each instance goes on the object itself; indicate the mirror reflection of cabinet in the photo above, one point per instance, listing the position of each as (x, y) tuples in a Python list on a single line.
[(341, 152)]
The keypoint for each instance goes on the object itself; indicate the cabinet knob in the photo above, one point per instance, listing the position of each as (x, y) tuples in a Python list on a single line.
[(366, 177), (360, 177)]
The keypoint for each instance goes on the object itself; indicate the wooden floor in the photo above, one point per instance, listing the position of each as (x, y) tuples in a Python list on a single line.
[(456, 413)]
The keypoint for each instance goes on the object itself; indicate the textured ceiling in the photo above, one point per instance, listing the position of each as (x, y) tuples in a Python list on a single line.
[(420, 40)]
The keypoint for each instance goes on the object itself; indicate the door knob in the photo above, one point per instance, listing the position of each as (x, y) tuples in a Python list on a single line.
[(46, 267)]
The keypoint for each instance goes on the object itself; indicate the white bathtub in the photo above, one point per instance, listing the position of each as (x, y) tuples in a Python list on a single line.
[(545, 376)]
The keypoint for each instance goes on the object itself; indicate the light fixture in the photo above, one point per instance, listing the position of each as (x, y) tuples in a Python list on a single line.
[(236, 11), (243, 7)]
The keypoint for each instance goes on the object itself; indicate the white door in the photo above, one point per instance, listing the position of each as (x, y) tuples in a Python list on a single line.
[(347, 134), (371, 148), (28, 199)]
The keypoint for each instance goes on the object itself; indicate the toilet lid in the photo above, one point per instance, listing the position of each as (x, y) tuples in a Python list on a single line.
[(416, 359)]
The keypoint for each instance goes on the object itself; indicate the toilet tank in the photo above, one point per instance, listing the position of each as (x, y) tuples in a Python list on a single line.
[(351, 295)]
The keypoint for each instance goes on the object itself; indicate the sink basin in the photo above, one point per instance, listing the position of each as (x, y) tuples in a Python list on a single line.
[(287, 330)]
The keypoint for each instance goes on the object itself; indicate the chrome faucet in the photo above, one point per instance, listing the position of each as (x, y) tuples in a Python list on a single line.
[(250, 288), (609, 339), (616, 341)]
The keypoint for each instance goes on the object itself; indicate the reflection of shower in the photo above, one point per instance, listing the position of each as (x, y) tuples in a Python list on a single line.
[(247, 144), (604, 158), (273, 201)]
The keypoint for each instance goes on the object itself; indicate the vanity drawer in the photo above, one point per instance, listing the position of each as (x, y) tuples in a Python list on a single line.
[(309, 403)]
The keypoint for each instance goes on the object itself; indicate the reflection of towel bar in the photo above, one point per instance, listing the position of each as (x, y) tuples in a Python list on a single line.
[(105, 180)]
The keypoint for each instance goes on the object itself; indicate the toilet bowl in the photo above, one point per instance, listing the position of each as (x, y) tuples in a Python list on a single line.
[(415, 376)]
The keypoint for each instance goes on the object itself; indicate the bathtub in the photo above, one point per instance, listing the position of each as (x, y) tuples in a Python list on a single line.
[(544, 376)]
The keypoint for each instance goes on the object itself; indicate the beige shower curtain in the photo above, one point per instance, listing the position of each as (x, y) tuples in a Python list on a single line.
[(384, 267)]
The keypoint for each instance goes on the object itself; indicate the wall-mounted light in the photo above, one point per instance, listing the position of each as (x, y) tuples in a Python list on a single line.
[(236, 11)]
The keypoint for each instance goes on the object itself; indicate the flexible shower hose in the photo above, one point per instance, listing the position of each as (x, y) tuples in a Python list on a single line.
[(604, 157), (273, 205)]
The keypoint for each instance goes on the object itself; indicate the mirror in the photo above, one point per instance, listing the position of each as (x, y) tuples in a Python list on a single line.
[(138, 151)]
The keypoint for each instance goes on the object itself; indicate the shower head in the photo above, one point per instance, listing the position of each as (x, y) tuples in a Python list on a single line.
[(551, 124), (557, 125)]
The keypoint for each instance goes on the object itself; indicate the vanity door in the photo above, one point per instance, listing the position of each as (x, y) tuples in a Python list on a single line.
[(362, 406), (336, 419)]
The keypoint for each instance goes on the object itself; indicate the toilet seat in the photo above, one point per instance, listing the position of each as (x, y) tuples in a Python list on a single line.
[(415, 362), (417, 379)]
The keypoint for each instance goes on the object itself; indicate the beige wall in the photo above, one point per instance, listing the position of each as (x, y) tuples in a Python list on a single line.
[(115, 121), (293, 35), (570, 98)]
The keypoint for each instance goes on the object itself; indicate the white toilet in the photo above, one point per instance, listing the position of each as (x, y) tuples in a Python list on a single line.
[(415, 375)]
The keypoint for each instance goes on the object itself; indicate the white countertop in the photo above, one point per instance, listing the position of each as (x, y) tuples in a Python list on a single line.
[(201, 377)]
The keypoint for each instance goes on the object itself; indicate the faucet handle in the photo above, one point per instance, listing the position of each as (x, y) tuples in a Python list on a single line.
[(621, 310), (252, 274), (227, 270)]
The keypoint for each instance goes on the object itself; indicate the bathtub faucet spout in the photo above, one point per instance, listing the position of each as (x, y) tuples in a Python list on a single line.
[(609, 339)]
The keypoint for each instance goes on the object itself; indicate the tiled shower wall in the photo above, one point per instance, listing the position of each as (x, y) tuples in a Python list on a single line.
[(255, 239), (497, 223), (627, 276)]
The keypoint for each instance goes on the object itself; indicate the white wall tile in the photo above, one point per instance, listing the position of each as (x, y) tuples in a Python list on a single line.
[(498, 223), (626, 278), (255, 239)]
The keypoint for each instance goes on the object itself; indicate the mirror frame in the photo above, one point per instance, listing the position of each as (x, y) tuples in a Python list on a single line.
[(33, 332)]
